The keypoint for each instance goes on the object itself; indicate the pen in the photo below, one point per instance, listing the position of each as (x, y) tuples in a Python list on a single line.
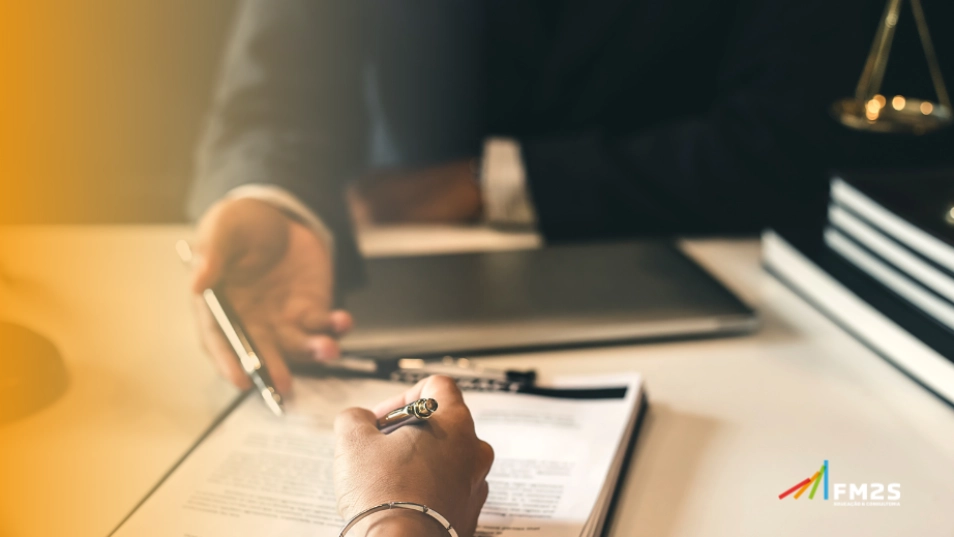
[(415, 412), (231, 327)]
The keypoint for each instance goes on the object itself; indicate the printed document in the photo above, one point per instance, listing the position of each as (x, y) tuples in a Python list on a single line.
[(257, 475)]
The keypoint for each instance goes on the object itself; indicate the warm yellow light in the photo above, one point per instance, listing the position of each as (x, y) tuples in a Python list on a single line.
[(881, 100), (871, 115), (873, 106), (898, 102), (926, 108)]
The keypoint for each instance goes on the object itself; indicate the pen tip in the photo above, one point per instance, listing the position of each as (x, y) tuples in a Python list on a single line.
[(274, 402)]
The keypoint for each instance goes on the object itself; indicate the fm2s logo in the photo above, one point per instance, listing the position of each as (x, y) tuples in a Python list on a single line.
[(855, 493)]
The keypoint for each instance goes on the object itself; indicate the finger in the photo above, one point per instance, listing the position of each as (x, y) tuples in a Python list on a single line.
[(485, 458), (453, 413), (312, 319), (483, 490), (443, 389), (271, 356), (214, 245), (240, 237), (207, 272), (399, 400), (341, 322), (298, 345), (354, 423), (218, 348), (323, 348)]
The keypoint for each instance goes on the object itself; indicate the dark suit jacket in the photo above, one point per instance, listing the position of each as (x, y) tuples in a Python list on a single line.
[(635, 116)]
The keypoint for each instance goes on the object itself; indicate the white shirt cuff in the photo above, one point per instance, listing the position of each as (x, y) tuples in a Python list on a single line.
[(503, 182), (288, 203)]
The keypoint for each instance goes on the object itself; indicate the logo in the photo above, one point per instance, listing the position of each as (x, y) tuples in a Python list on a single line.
[(822, 473), (858, 494)]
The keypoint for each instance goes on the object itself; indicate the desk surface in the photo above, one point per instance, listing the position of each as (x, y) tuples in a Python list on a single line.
[(733, 422)]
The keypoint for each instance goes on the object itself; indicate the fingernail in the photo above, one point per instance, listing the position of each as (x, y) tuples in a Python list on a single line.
[(324, 350)]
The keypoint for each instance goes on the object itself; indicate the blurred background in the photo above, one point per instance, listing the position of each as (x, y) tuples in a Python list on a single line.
[(103, 102)]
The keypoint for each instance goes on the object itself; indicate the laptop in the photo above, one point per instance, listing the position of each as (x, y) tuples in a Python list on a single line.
[(579, 294)]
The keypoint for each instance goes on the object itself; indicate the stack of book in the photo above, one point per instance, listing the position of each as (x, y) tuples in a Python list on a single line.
[(883, 268)]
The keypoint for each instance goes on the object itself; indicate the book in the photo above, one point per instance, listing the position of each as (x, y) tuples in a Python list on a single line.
[(882, 266), (899, 229), (911, 339), (915, 209), (559, 460), (887, 251)]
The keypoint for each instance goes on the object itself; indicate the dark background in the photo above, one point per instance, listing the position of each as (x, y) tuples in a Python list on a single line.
[(136, 79)]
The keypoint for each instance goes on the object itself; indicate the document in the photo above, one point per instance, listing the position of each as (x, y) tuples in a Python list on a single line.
[(259, 475)]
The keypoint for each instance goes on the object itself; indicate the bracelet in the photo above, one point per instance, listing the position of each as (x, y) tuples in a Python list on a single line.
[(399, 505)]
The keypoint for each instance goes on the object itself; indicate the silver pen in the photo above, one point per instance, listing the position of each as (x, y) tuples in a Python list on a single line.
[(245, 350), (415, 412)]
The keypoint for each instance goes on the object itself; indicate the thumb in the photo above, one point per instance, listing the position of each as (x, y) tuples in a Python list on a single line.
[(207, 271), (353, 423), (216, 243)]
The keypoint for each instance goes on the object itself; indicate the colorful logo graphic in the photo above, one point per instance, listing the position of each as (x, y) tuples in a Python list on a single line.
[(802, 486), (864, 494)]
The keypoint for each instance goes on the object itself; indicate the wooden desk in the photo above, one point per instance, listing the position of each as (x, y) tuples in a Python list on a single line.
[(733, 422)]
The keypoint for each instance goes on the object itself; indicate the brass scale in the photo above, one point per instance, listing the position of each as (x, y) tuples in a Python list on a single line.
[(869, 110)]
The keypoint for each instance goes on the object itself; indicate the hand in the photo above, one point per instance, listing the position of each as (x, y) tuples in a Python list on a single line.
[(277, 274), (446, 193), (441, 464)]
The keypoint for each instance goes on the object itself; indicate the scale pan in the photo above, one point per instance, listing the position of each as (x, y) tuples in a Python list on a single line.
[(914, 117)]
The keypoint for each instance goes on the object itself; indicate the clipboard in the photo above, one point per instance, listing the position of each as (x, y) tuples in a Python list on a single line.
[(468, 385)]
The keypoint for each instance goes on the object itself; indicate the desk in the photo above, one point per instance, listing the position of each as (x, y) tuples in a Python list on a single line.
[(733, 421)]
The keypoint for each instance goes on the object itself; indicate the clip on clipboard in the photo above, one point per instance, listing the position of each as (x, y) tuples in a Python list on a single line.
[(469, 375)]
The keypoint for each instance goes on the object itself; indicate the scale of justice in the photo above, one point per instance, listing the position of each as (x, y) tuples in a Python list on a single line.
[(869, 110)]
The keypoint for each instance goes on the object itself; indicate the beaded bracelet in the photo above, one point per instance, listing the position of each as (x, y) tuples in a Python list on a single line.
[(399, 505)]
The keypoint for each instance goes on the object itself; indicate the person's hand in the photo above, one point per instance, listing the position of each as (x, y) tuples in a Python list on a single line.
[(446, 193), (441, 464), (277, 274)]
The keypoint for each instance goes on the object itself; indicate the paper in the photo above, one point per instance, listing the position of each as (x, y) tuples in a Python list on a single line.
[(263, 476)]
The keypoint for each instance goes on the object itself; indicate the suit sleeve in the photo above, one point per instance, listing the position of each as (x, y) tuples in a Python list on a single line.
[(758, 156), (288, 112)]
